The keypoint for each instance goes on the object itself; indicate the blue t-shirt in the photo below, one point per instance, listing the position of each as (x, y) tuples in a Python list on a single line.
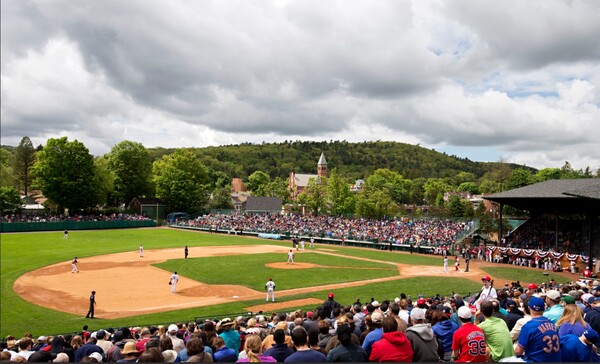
[(306, 356), (540, 341), (573, 350), (371, 338)]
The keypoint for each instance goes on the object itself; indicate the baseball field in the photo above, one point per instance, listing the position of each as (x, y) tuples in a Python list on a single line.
[(223, 275)]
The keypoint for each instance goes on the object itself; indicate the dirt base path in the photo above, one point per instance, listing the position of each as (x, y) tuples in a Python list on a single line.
[(117, 277)]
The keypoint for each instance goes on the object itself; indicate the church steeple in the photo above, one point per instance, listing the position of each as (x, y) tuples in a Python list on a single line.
[(322, 166)]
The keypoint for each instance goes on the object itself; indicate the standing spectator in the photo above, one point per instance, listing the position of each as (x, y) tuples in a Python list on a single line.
[(488, 292), (538, 340), (421, 337), (330, 305), (393, 346), (468, 342), (497, 336), (303, 353)]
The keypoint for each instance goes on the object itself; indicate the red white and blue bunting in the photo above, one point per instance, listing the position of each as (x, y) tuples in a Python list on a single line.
[(532, 253)]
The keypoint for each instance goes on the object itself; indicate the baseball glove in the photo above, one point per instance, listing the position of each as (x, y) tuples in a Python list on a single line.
[(169, 283)]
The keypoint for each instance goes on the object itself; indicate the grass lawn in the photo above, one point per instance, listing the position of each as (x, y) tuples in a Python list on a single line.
[(23, 252), (525, 276)]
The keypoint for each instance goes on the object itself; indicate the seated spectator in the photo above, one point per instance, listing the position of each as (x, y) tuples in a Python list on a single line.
[(195, 351), (393, 345), (222, 352), (303, 353), (253, 349), (280, 350)]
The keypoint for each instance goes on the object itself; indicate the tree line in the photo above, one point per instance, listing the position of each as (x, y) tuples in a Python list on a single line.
[(396, 176)]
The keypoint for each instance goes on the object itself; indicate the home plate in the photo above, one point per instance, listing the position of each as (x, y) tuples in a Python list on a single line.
[(236, 296)]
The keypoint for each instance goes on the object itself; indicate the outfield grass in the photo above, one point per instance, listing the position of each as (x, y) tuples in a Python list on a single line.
[(23, 252), (525, 276)]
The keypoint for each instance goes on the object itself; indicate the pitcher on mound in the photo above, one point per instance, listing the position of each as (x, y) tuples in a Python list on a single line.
[(290, 257)]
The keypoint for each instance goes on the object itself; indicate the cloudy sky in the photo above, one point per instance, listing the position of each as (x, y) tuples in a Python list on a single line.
[(517, 81)]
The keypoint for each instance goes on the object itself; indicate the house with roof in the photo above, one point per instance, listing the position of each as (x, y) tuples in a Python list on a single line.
[(153, 208), (299, 181)]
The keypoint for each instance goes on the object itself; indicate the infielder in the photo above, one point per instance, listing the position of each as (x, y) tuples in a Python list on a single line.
[(270, 287), (173, 282), (141, 251), (312, 242), (301, 244), (446, 264), (74, 266), (290, 257)]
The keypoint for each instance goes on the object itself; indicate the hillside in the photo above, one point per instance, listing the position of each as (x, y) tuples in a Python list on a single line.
[(352, 160)]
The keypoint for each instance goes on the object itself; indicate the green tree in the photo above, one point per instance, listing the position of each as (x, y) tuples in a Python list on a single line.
[(455, 206), (278, 188), (6, 170), (220, 199), (340, 199), (24, 159), (10, 200), (314, 195), (470, 187), (65, 173), (487, 186), (520, 178), (104, 180), (547, 174), (391, 183), (131, 165), (375, 204), (181, 181), (258, 183), (434, 188)]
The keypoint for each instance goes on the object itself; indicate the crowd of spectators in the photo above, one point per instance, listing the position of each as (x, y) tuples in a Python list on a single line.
[(541, 233), (399, 231), (75, 218), (402, 329)]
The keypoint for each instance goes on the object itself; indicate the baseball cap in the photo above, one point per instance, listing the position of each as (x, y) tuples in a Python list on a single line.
[(486, 278), (375, 304), (377, 317), (309, 314), (417, 314), (510, 302), (447, 310), (421, 302), (593, 299), (41, 338), (592, 336), (100, 334), (568, 299), (532, 286), (330, 295), (585, 297), (465, 312), (536, 304), (98, 356), (553, 294), (172, 328)]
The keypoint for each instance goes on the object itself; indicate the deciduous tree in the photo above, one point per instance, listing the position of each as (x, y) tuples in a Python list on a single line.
[(131, 165)]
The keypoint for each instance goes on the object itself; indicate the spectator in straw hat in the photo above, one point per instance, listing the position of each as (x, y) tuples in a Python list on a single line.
[(130, 353), (230, 335)]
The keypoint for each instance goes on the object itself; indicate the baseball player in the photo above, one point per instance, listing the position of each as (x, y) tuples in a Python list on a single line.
[(66, 234), (173, 282), (74, 266), (185, 252), (141, 251), (270, 287), (90, 313), (290, 257), (538, 340), (312, 242), (301, 244), (456, 263), (446, 264)]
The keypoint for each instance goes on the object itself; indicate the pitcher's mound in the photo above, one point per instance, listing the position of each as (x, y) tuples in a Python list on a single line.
[(292, 266)]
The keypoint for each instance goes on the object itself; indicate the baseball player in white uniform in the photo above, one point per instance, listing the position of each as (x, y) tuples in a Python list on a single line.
[(290, 257), (74, 268), (270, 287), (301, 244), (141, 251), (173, 282)]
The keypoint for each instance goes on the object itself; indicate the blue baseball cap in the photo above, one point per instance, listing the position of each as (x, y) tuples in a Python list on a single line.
[(593, 299), (536, 304), (592, 336)]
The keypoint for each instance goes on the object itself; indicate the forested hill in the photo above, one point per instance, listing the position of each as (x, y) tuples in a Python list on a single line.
[(352, 160)]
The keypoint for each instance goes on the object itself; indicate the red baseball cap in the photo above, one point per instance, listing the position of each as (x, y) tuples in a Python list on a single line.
[(532, 286), (421, 302), (330, 295), (486, 278)]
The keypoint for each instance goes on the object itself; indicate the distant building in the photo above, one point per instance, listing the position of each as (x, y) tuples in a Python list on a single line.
[(153, 208), (237, 185), (263, 205), (299, 181)]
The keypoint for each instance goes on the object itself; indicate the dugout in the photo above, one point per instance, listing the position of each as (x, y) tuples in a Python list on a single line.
[(565, 197)]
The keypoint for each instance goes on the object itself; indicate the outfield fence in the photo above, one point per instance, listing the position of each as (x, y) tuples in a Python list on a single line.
[(11, 227)]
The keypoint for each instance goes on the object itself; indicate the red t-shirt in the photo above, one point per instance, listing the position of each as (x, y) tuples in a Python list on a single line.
[(469, 341)]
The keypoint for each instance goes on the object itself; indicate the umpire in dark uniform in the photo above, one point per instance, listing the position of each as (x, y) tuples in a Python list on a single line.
[(90, 313)]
